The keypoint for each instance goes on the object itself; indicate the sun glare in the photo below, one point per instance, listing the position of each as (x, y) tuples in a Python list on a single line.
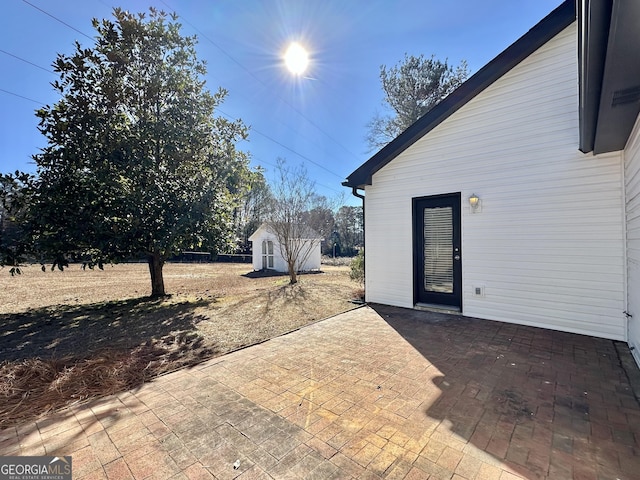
[(296, 58)]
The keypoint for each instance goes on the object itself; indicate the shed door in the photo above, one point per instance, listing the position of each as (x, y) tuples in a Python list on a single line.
[(437, 252), (267, 255)]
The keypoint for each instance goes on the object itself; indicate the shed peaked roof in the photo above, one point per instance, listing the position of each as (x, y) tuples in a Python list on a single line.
[(540, 34), (297, 230)]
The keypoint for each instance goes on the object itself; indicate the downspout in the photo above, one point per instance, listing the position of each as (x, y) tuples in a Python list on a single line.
[(354, 191)]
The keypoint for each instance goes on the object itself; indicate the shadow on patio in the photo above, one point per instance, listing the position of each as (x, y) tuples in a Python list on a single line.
[(543, 403)]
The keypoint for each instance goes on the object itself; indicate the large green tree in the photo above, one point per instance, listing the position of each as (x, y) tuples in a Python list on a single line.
[(412, 88), (13, 241), (136, 162)]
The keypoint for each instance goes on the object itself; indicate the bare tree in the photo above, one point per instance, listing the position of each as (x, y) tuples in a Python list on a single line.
[(250, 212), (293, 197)]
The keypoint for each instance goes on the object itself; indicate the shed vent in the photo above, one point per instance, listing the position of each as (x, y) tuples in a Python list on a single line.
[(628, 95)]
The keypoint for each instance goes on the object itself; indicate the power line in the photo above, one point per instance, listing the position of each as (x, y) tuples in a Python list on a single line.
[(223, 113), (58, 20), (304, 157), (260, 161), (230, 117), (263, 84), (21, 96), (26, 61)]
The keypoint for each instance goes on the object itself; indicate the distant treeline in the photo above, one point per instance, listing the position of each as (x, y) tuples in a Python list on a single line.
[(207, 257)]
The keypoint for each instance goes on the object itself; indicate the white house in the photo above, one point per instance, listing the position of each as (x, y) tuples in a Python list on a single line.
[(268, 254), (517, 198)]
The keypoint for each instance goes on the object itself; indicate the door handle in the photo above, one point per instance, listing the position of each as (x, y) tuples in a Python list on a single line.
[(456, 257)]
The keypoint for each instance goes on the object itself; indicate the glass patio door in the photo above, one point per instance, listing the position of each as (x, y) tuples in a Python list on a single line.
[(437, 252)]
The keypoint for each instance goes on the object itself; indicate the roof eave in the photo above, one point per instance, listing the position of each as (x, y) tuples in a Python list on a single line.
[(619, 98), (593, 32)]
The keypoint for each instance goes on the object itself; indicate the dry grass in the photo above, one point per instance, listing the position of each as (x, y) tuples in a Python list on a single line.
[(73, 335)]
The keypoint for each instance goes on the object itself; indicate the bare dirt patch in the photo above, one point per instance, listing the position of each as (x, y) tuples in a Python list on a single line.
[(73, 335)]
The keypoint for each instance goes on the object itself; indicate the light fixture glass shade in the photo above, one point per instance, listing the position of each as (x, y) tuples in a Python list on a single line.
[(474, 200)]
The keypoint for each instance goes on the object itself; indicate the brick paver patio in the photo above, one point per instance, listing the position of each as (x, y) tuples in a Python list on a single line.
[(373, 393)]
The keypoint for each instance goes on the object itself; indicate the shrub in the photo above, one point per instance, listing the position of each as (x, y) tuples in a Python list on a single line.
[(337, 261), (357, 267)]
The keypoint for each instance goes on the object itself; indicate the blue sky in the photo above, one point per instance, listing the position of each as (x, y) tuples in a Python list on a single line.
[(320, 121)]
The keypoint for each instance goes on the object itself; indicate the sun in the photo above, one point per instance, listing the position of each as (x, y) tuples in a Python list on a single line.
[(296, 58)]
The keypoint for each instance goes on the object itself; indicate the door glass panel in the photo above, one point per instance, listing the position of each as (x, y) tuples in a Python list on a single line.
[(264, 255), (270, 254), (438, 249)]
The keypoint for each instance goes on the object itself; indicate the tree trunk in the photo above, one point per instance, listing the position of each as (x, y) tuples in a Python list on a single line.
[(156, 262), (293, 276)]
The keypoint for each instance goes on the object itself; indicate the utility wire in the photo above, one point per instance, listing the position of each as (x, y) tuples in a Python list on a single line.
[(260, 162), (263, 84), (202, 35), (223, 113), (231, 118), (21, 96), (58, 20), (26, 61), (241, 66), (304, 157)]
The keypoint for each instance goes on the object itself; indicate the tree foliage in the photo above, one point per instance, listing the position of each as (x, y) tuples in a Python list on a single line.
[(13, 239), (357, 268), (136, 161), (320, 217), (349, 230), (412, 88)]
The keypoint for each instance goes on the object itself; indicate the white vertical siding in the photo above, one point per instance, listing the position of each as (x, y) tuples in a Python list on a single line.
[(548, 245), (632, 193)]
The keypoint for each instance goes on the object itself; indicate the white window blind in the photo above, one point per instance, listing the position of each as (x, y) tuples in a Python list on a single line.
[(438, 249)]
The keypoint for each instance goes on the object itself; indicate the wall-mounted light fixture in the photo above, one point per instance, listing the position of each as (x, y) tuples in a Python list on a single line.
[(474, 202)]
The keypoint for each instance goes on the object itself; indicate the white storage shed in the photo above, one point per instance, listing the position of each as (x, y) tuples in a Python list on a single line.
[(268, 253)]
